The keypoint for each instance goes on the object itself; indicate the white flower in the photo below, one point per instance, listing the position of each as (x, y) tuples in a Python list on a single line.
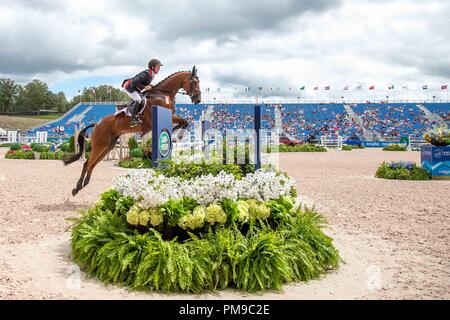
[(151, 189)]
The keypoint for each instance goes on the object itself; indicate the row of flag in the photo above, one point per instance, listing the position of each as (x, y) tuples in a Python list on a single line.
[(326, 88)]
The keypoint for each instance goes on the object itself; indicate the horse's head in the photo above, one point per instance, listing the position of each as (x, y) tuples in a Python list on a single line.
[(192, 87)]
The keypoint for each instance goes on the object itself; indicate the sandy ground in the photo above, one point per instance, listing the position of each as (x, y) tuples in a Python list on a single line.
[(393, 235)]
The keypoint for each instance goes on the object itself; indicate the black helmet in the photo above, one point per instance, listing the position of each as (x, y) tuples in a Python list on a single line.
[(154, 62)]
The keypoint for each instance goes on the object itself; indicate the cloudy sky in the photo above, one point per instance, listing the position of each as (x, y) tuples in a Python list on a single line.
[(280, 44)]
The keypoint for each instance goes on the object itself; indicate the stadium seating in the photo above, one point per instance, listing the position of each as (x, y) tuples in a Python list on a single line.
[(299, 120)]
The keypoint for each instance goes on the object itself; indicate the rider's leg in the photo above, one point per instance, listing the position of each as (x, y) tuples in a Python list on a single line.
[(137, 102)]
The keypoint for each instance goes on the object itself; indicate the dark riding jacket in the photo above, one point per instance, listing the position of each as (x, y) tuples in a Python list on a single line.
[(139, 81)]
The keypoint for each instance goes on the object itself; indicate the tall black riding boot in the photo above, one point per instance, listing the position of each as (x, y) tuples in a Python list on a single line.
[(134, 116)]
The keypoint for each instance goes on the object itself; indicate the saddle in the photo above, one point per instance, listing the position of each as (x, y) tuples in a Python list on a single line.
[(128, 108)]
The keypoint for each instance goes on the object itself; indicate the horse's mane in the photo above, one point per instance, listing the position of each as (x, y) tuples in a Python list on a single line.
[(168, 77)]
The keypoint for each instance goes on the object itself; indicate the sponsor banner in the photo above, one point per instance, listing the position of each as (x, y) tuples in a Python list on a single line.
[(373, 144), (436, 160)]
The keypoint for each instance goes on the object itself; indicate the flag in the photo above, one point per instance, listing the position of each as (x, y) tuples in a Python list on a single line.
[(391, 87), (207, 89), (316, 88), (346, 88), (444, 87), (327, 88), (302, 88), (425, 87), (358, 87), (372, 88), (260, 88)]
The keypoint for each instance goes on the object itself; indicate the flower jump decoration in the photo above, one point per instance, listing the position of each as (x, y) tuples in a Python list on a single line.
[(438, 136), (166, 233), (402, 170)]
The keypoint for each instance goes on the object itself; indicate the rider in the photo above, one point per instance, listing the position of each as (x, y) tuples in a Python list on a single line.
[(140, 81)]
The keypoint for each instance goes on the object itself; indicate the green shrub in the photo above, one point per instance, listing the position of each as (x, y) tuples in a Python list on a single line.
[(132, 143), (5, 145), (88, 146), (71, 144), (49, 155), (146, 147), (402, 171), (15, 146), (37, 147), (347, 148), (65, 147), (135, 163), (301, 148), (136, 153), (265, 258), (395, 147), (188, 170), (20, 154)]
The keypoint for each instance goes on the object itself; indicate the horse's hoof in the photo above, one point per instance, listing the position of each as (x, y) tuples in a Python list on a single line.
[(74, 191)]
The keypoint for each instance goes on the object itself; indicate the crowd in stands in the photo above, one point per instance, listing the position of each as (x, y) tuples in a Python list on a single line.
[(394, 120), (298, 120)]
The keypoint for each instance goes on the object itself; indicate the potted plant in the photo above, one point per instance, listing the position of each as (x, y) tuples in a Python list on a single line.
[(438, 136)]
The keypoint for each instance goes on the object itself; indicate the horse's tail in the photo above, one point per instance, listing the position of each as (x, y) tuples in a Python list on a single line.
[(81, 140)]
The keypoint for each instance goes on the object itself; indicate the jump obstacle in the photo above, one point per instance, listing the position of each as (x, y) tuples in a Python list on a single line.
[(162, 134)]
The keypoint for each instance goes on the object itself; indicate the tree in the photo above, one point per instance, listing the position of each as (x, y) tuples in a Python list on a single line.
[(8, 93), (37, 96), (103, 93), (61, 102)]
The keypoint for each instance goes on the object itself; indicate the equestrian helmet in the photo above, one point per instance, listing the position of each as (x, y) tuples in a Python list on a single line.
[(154, 62)]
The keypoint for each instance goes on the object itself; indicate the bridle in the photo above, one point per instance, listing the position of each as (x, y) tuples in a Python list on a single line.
[(192, 92)]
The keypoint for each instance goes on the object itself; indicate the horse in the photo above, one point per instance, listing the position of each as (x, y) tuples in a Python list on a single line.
[(106, 132)]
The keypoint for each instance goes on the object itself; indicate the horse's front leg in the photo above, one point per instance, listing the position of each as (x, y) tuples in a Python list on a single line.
[(181, 124)]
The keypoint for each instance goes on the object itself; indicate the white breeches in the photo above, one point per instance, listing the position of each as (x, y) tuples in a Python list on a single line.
[(135, 96)]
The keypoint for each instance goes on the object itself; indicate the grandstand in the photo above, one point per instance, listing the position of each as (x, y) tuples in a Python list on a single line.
[(388, 120)]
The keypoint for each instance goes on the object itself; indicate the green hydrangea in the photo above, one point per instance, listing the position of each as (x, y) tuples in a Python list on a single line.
[(156, 217), (100, 203), (194, 220), (243, 208), (144, 217), (133, 215), (214, 213), (258, 210)]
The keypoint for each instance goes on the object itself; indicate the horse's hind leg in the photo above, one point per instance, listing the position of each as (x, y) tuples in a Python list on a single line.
[(79, 185), (99, 158)]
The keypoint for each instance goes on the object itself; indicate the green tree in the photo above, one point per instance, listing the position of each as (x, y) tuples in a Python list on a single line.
[(8, 94), (103, 93), (61, 102), (37, 97)]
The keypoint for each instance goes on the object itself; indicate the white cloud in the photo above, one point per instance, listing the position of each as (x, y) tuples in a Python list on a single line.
[(270, 44)]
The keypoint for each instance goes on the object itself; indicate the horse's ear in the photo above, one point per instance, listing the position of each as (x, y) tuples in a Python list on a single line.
[(194, 71)]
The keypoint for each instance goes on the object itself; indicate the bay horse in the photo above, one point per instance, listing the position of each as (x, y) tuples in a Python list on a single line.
[(106, 132)]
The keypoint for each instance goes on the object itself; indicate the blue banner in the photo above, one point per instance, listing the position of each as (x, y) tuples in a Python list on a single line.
[(436, 160), (373, 144)]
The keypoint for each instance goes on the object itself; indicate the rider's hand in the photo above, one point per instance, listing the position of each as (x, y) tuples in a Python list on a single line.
[(148, 88)]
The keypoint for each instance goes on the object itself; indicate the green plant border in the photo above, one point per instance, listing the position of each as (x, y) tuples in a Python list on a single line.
[(384, 171)]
